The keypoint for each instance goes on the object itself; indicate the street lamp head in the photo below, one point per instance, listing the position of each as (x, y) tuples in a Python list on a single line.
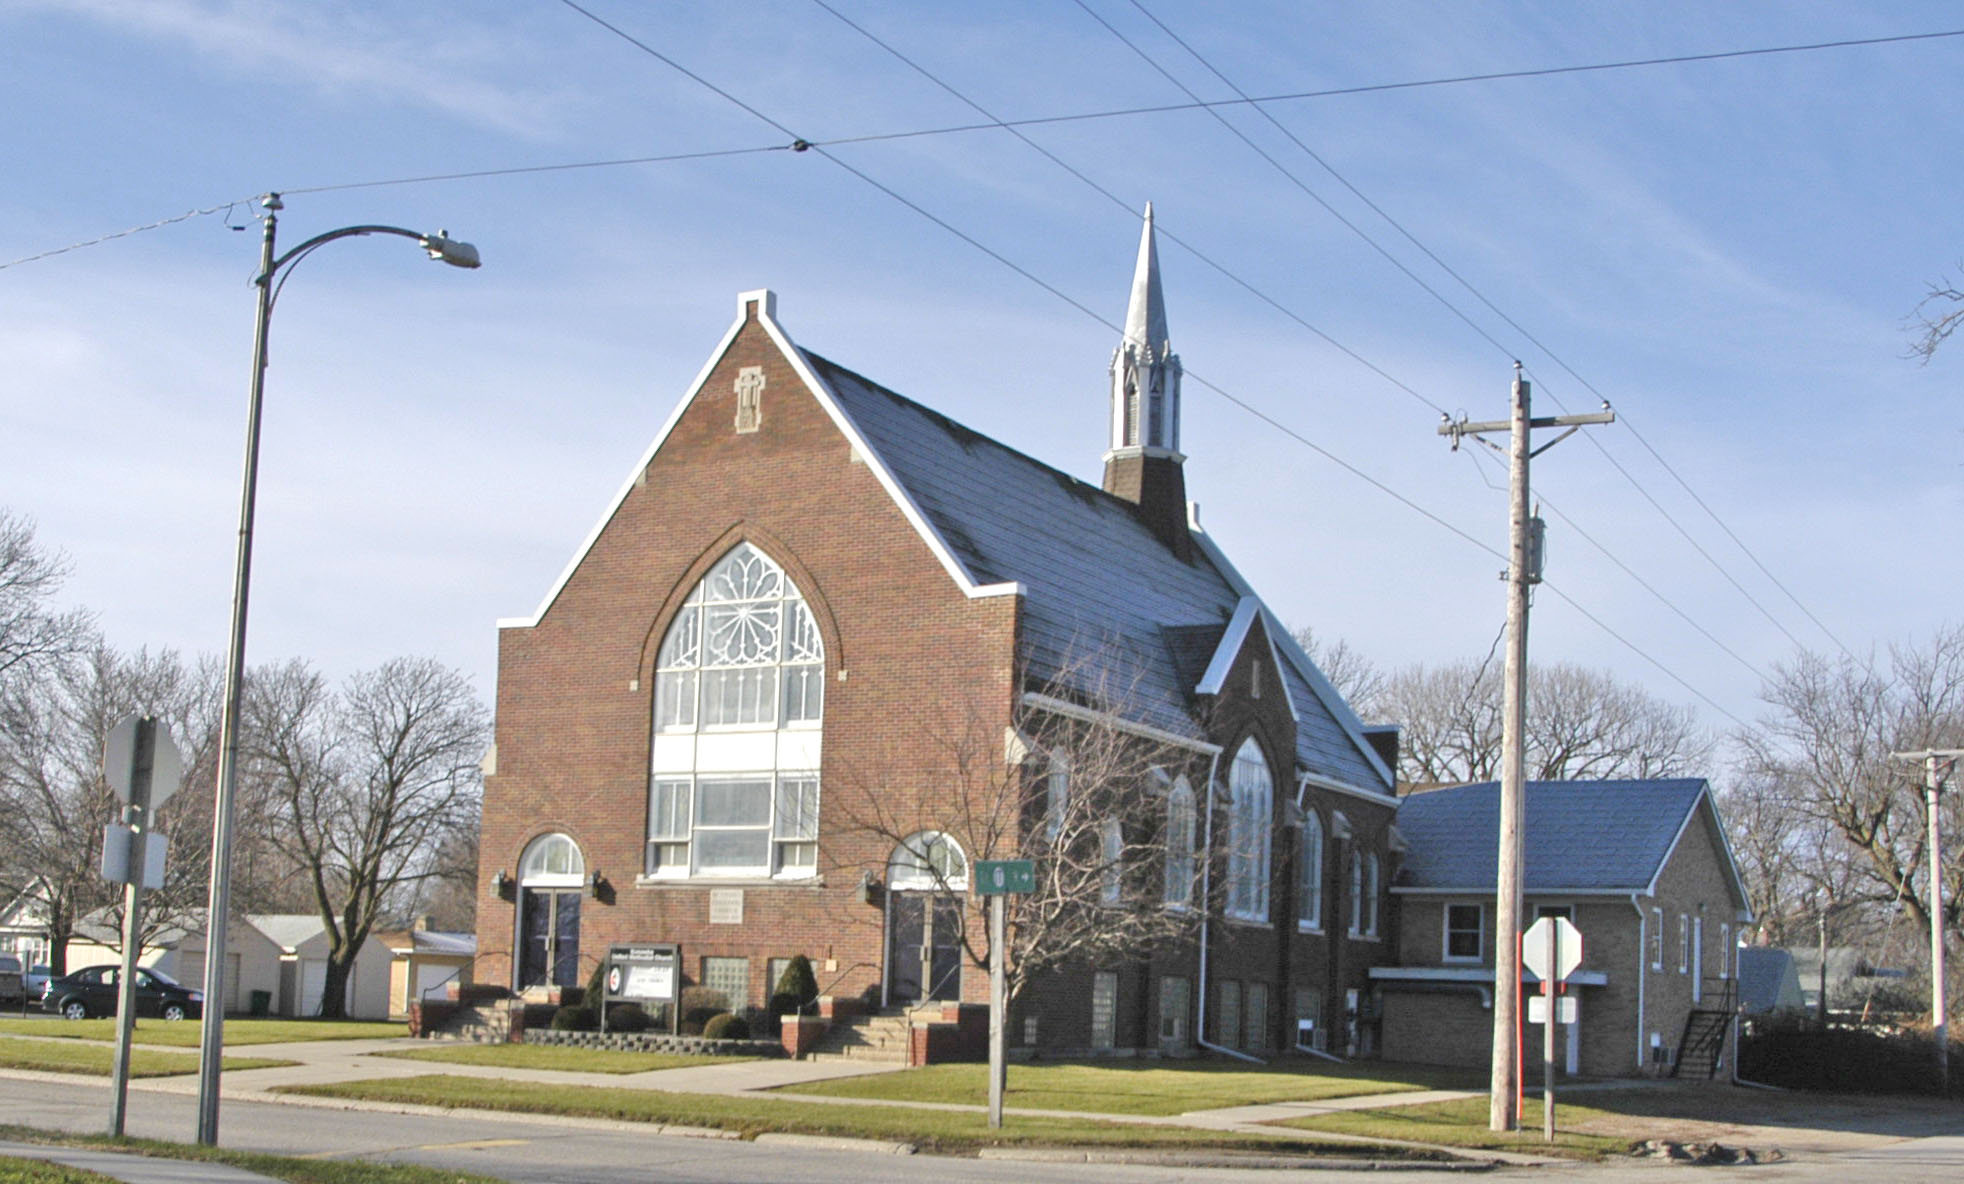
[(457, 254)]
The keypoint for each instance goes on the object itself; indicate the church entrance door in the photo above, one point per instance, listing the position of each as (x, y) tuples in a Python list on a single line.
[(924, 952)]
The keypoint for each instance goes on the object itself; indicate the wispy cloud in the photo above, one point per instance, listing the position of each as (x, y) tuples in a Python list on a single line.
[(339, 52)]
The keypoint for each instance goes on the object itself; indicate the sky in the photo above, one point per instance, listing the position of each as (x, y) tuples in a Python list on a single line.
[(1726, 250)]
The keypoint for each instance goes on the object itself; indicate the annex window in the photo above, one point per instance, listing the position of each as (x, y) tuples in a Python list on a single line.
[(1725, 950), (1309, 888), (1180, 833), (729, 977), (1104, 1009), (1684, 943), (1254, 1018), (1251, 797), (1227, 1013), (1657, 939), (739, 691), (1465, 932)]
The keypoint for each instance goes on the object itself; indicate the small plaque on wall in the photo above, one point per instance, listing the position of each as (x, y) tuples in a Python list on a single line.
[(726, 906)]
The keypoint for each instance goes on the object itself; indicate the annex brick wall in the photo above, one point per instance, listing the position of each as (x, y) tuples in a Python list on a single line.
[(910, 662)]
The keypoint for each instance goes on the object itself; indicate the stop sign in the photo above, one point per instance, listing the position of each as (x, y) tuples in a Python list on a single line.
[(1567, 940)]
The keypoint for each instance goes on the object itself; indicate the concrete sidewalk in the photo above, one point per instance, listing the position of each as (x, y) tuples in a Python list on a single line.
[(136, 1169)]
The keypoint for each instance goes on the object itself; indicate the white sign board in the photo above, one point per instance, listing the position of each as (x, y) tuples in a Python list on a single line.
[(1568, 948), (1565, 1009)]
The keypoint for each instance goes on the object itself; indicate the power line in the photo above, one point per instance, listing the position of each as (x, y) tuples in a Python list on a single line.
[(540, 168), (1494, 308), (1265, 417), (103, 238)]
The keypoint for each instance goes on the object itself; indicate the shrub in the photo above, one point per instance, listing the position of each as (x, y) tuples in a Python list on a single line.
[(574, 1018), (796, 990), (1798, 1056), (698, 1005), (628, 1017), (725, 1026)]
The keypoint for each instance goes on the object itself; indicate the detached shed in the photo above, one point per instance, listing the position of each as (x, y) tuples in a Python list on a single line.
[(303, 945), (426, 964), (252, 961)]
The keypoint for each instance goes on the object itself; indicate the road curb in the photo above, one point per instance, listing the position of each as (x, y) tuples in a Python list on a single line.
[(836, 1143), (1293, 1163)]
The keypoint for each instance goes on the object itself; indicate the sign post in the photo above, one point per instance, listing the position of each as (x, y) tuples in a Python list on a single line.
[(996, 879), (1552, 949), (143, 767)]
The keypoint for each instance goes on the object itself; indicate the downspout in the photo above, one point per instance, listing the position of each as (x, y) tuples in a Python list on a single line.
[(1643, 954), (1206, 912)]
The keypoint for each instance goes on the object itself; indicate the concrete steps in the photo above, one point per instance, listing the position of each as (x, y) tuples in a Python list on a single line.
[(880, 1038)]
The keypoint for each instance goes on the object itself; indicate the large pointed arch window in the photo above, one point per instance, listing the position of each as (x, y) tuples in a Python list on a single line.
[(739, 693), (1251, 803)]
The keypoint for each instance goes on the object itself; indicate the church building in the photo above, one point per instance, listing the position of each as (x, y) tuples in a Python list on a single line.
[(828, 650)]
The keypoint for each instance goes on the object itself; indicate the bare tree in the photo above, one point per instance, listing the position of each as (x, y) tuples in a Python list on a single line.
[(1581, 723), (1826, 745), (1085, 798), (1933, 322), (30, 631), (359, 790), (54, 801), (1355, 676)]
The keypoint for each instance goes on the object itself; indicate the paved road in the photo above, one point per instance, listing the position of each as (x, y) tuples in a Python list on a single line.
[(566, 1152)]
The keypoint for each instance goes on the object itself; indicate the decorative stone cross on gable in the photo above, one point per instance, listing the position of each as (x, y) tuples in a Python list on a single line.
[(749, 398)]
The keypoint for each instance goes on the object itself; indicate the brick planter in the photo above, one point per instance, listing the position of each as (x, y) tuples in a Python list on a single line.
[(656, 1042), (800, 1032)]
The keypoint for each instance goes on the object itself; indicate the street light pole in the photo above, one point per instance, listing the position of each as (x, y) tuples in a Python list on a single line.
[(212, 1042), (1937, 764)]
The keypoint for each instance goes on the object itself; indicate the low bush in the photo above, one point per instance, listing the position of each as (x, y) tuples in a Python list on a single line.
[(699, 1005), (1799, 1056), (574, 1018), (726, 1026), (628, 1017)]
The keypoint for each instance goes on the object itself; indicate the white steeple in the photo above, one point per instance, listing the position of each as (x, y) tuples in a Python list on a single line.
[(1145, 373)]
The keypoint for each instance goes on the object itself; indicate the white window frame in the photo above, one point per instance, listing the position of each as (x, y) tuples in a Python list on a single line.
[(1309, 886), (1725, 950), (1181, 831), (1684, 943), (1251, 807), (789, 826), (928, 861), (1364, 892), (1657, 939), (1447, 930)]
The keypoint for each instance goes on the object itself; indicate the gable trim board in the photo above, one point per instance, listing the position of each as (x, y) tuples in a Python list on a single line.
[(765, 303), (1056, 706)]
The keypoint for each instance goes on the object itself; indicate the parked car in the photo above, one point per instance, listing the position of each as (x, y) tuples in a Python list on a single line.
[(92, 991), (12, 987), (37, 977)]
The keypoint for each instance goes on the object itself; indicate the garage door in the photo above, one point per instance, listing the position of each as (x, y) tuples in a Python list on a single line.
[(432, 981), (313, 984)]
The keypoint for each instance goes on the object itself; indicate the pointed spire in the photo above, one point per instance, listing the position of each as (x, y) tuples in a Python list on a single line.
[(1143, 464), (1145, 316)]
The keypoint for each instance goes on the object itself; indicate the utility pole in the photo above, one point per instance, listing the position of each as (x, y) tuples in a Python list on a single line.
[(1523, 570), (1937, 766)]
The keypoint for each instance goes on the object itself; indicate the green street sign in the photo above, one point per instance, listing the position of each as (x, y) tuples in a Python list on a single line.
[(999, 877)]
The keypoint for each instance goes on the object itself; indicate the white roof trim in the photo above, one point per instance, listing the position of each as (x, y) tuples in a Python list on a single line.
[(766, 300), (1229, 646), (1286, 645), (1725, 848), (1064, 707), (1488, 890)]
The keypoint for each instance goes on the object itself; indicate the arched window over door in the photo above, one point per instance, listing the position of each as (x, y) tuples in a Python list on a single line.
[(924, 918), (551, 882)]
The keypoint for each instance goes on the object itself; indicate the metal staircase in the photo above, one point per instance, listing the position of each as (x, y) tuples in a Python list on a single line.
[(1705, 1028)]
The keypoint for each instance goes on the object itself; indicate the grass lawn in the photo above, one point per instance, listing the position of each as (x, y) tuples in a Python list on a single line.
[(948, 1132), (551, 1056), (188, 1033), (97, 1059), (1133, 1087), (1464, 1124), (279, 1167)]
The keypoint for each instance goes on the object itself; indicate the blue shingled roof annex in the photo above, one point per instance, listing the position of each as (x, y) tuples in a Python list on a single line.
[(1581, 836)]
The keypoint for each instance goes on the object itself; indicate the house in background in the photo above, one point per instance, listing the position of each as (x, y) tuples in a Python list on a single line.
[(303, 948), (806, 587), (1856, 985), (1769, 985), (252, 961), (426, 963), (24, 926), (1642, 868)]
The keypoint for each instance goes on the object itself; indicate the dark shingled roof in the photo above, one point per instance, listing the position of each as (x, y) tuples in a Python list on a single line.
[(1097, 582), (1581, 835)]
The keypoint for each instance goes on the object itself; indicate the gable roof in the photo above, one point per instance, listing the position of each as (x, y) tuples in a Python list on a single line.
[(1096, 582), (289, 931), (1581, 836)]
